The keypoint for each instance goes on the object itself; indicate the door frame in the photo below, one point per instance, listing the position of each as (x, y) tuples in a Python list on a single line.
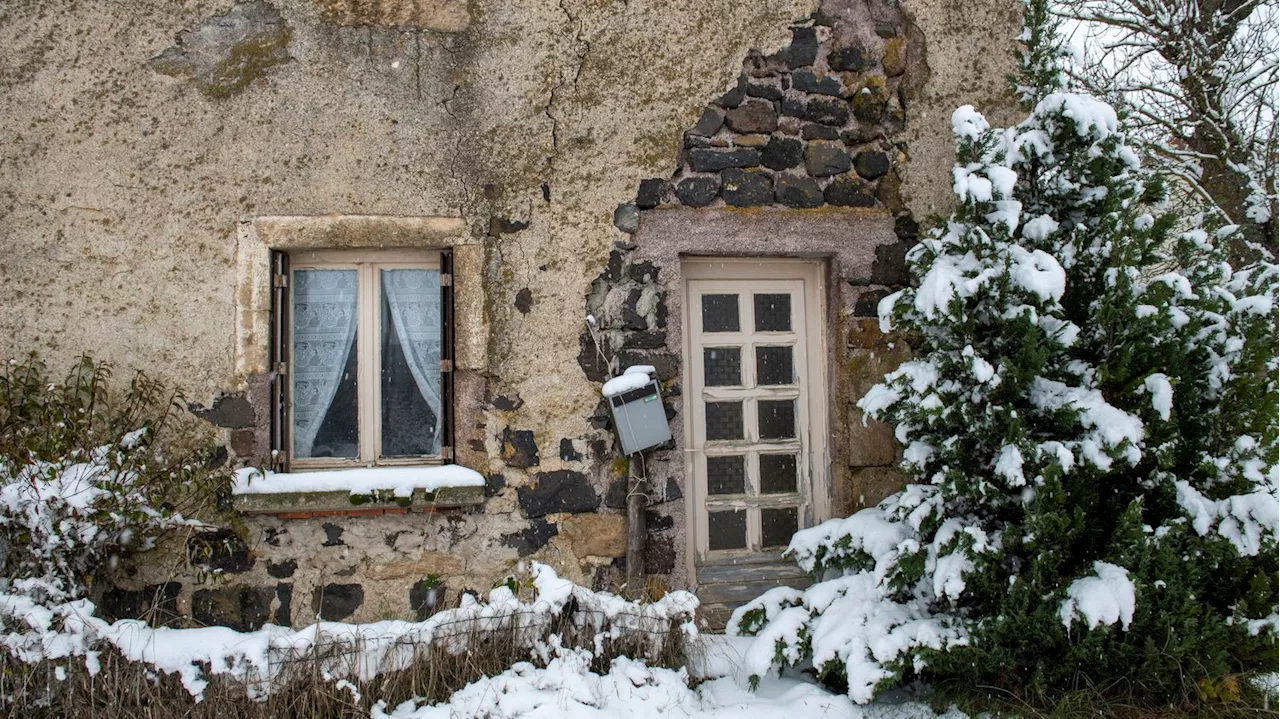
[(813, 274)]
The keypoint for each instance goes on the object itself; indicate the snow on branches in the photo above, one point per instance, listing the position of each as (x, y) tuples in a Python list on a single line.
[(77, 512), (1082, 368)]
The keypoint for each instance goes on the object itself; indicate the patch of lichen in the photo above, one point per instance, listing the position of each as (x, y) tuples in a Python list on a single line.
[(620, 466), (655, 152), (245, 64)]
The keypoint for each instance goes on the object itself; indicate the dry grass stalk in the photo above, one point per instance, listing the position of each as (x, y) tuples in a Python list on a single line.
[(312, 684)]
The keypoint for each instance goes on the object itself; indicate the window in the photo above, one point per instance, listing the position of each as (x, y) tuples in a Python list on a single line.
[(361, 358)]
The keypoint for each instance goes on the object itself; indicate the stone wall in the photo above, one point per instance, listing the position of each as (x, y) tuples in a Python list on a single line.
[(819, 123), (138, 135)]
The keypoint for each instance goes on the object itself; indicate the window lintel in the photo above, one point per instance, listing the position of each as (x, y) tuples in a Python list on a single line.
[(258, 237)]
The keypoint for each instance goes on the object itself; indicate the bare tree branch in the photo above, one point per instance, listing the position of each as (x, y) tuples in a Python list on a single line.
[(1199, 79)]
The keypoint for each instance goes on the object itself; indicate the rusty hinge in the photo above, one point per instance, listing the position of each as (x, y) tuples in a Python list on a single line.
[(279, 459), (446, 280), (280, 280), (281, 368), (446, 452), (446, 365)]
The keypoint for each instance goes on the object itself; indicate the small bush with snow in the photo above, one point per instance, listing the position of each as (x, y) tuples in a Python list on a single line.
[(1091, 424), (84, 477)]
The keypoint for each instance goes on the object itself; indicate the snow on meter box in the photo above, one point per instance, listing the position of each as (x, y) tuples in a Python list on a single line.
[(637, 409)]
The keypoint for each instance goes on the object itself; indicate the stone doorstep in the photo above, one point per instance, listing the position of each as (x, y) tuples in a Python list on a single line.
[(306, 505)]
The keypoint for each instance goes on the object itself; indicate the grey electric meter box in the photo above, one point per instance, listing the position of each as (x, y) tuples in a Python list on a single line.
[(640, 418)]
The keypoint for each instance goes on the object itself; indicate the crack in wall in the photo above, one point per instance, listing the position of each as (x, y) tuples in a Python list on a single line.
[(458, 176), (456, 166), (580, 60), (452, 96)]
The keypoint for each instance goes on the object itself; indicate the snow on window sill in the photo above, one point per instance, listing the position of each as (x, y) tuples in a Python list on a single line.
[(357, 492)]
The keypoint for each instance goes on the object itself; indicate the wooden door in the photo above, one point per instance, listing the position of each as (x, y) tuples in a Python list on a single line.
[(755, 414)]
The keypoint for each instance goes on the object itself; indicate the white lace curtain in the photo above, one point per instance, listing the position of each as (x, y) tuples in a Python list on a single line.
[(413, 297), (324, 333)]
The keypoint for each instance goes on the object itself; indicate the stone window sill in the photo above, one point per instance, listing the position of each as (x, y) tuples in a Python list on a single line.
[(305, 505)]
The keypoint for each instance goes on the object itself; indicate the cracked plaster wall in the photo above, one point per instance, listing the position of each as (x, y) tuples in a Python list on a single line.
[(121, 189)]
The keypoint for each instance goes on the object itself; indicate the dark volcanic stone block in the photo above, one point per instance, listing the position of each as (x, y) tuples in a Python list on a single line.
[(157, 603), (746, 188), (755, 116), (222, 550), (814, 131), (715, 160), (708, 124), (833, 111), (806, 81), (532, 538), (244, 609), (563, 490), (803, 49), (734, 97), (871, 164), (849, 191), (335, 602), (797, 192), (824, 159), (519, 448), (697, 191), (848, 59), (768, 92), (782, 153), (650, 193)]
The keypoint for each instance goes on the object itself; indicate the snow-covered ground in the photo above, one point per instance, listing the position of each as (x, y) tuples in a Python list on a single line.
[(568, 689), (557, 681)]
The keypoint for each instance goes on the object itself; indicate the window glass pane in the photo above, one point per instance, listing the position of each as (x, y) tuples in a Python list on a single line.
[(724, 420), (325, 401), (773, 366), (777, 419), (777, 473), (410, 372), (722, 366), (720, 313), (777, 526), (726, 475), (727, 530), (773, 313)]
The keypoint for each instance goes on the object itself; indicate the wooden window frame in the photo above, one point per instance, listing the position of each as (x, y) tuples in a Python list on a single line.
[(367, 263)]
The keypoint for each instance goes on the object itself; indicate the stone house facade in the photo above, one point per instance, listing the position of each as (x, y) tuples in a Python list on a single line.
[(727, 189)]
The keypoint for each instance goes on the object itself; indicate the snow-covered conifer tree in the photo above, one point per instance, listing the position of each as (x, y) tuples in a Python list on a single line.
[(1090, 426)]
